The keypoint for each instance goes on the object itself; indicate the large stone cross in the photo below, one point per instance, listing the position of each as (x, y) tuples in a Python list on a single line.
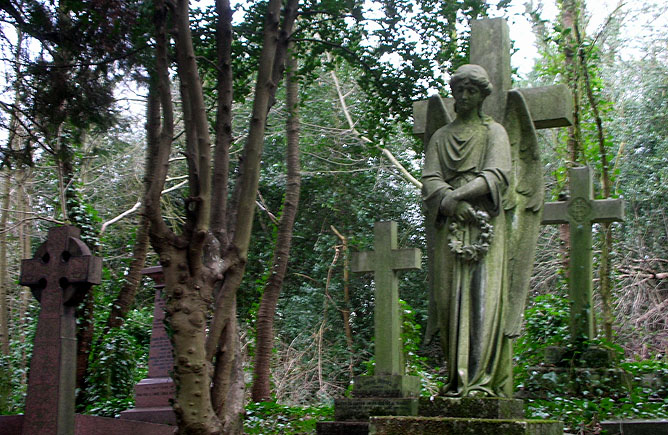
[(549, 106), (384, 262), (579, 212), (59, 275)]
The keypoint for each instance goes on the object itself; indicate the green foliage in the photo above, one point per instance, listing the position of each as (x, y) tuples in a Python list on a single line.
[(265, 418), (121, 361), (546, 324), (546, 321)]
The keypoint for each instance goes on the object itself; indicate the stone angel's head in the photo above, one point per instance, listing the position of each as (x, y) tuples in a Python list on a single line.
[(470, 86)]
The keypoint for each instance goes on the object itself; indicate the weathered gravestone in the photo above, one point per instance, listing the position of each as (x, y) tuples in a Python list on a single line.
[(153, 394), (523, 111), (59, 275), (576, 368), (548, 106), (389, 391), (385, 261), (580, 212)]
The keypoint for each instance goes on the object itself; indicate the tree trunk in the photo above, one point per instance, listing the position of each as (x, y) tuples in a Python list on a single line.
[(568, 19), (265, 318), (23, 176), (4, 280), (606, 234), (208, 399), (126, 296)]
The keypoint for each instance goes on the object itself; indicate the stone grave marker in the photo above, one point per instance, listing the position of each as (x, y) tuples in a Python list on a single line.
[(59, 275), (548, 107), (389, 391), (580, 212), (154, 393), (385, 261)]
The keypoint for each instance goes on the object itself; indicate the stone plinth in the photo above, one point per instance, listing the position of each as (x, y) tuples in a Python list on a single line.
[(342, 427), (386, 386), (359, 409), (635, 427), (471, 407), (461, 426), (153, 395)]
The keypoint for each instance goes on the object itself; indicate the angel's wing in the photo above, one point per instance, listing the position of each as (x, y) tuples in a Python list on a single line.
[(437, 116), (523, 205)]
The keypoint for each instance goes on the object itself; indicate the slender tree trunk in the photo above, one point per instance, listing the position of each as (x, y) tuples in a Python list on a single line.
[(4, 280), (345, 312), (568, 19), (606, 246), (126, 296), (265, 319), (22, 178)]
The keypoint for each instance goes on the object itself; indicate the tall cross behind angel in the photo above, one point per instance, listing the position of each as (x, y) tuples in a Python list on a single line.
[(483, 193)]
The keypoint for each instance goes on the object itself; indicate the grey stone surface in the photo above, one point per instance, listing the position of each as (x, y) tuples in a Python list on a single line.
[(359, 409), (342, 428), (461, 426), (386, 386), (385, 261), (471, 407), (635, 427), (580, 212)]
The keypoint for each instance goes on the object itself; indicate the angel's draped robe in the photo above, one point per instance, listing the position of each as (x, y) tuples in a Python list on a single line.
[(470, 295)]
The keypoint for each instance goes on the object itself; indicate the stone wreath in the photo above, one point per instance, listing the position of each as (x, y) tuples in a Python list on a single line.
[(477, 249)]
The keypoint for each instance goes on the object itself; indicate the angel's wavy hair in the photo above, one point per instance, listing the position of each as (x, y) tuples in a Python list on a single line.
[(477, 75)]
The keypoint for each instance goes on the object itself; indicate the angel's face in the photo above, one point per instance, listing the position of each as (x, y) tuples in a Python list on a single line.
[(467, 96)]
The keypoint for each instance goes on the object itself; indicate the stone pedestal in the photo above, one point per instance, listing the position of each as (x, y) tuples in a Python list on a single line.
[(461, 426), (153, 395), (472, 407), (386, 386), (635, 427), (372, 396), (465, 416)]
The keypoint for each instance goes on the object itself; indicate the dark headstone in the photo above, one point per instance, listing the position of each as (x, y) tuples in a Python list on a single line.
[(59, 275), (357, 409), (153, 395)]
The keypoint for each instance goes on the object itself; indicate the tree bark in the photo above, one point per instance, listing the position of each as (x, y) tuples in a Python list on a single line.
[(23, 176), (606, 245), (264, 326), (4, 281), (568, 19), (223, 132), (209, 399)]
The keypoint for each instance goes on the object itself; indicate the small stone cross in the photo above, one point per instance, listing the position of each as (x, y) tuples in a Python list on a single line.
[(59, 275), (384, 262), (579, 212)]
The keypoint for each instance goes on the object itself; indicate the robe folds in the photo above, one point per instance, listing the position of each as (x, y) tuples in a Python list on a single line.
[(470, 295)]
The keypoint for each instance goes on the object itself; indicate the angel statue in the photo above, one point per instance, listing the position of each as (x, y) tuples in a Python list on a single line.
[(483, 194)]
